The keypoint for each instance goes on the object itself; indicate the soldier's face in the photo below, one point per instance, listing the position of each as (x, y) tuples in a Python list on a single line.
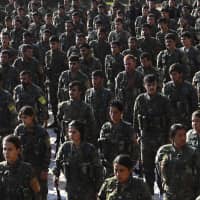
[(176, 76), (180, 138), (122, 173), (115, 115), (129, 65), (132, 44), (186, 41), (4, 58), (170, 44), (28, 53), (54, 45), (196, 123), (10, 152), (97, 82), (151, 88), (145, 62), (27, 120), (74, 93), (73, 66), (114, 49), (74, 134)]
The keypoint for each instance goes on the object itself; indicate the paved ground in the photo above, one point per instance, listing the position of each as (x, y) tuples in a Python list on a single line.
[(52, 195)]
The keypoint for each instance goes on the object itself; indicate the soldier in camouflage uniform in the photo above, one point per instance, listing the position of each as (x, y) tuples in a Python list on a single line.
[(76, 109), (10, 77), (119, 34), (196, 84), (133, 49), (113, 64), (192, 53), (36, 148), (80, 164), (88, 62), (27, 93), (170, 56), (128, 84), (193, 134), (30, 63), (8, 119), (72, 74), (100, 46), (178, 166), (151, 119), (16, 33), (181, 94), (116, 136), (123, 185), (54, 66), (98, 98), (17, 179)]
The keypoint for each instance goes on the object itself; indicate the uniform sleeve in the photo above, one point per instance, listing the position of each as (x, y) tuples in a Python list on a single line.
[(59, 161), (98, 169), (135, 115), (43, 105), (146, 195), (102, 191), (47, 152)]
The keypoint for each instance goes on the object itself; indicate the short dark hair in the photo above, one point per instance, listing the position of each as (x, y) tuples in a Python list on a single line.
[(171, 36), (76, 84), (174, 128), (26, 47), (150, 78), (196, 113), (26, 72), (74, 58), (13, 139), (146, 55), (117, 104), (98, 73), (187, 34), (54, 38)]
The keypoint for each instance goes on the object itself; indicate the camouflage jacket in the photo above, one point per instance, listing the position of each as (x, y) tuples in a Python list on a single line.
[(63, 84), (80, 165), (32, 96), (134, 189), (8, 114), (179, 171), (78, 110), (99, 101), (183, 100), (116, 139), (15, 181), (152, 117), (36, 148), (193, 139)]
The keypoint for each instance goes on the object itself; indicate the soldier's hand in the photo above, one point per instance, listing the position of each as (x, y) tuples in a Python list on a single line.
[(44, 175), (45, 124), (56, 181), (138, 140)]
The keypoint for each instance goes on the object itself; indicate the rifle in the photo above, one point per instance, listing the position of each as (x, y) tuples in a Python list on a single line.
[(141, 170), (58, 193)]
